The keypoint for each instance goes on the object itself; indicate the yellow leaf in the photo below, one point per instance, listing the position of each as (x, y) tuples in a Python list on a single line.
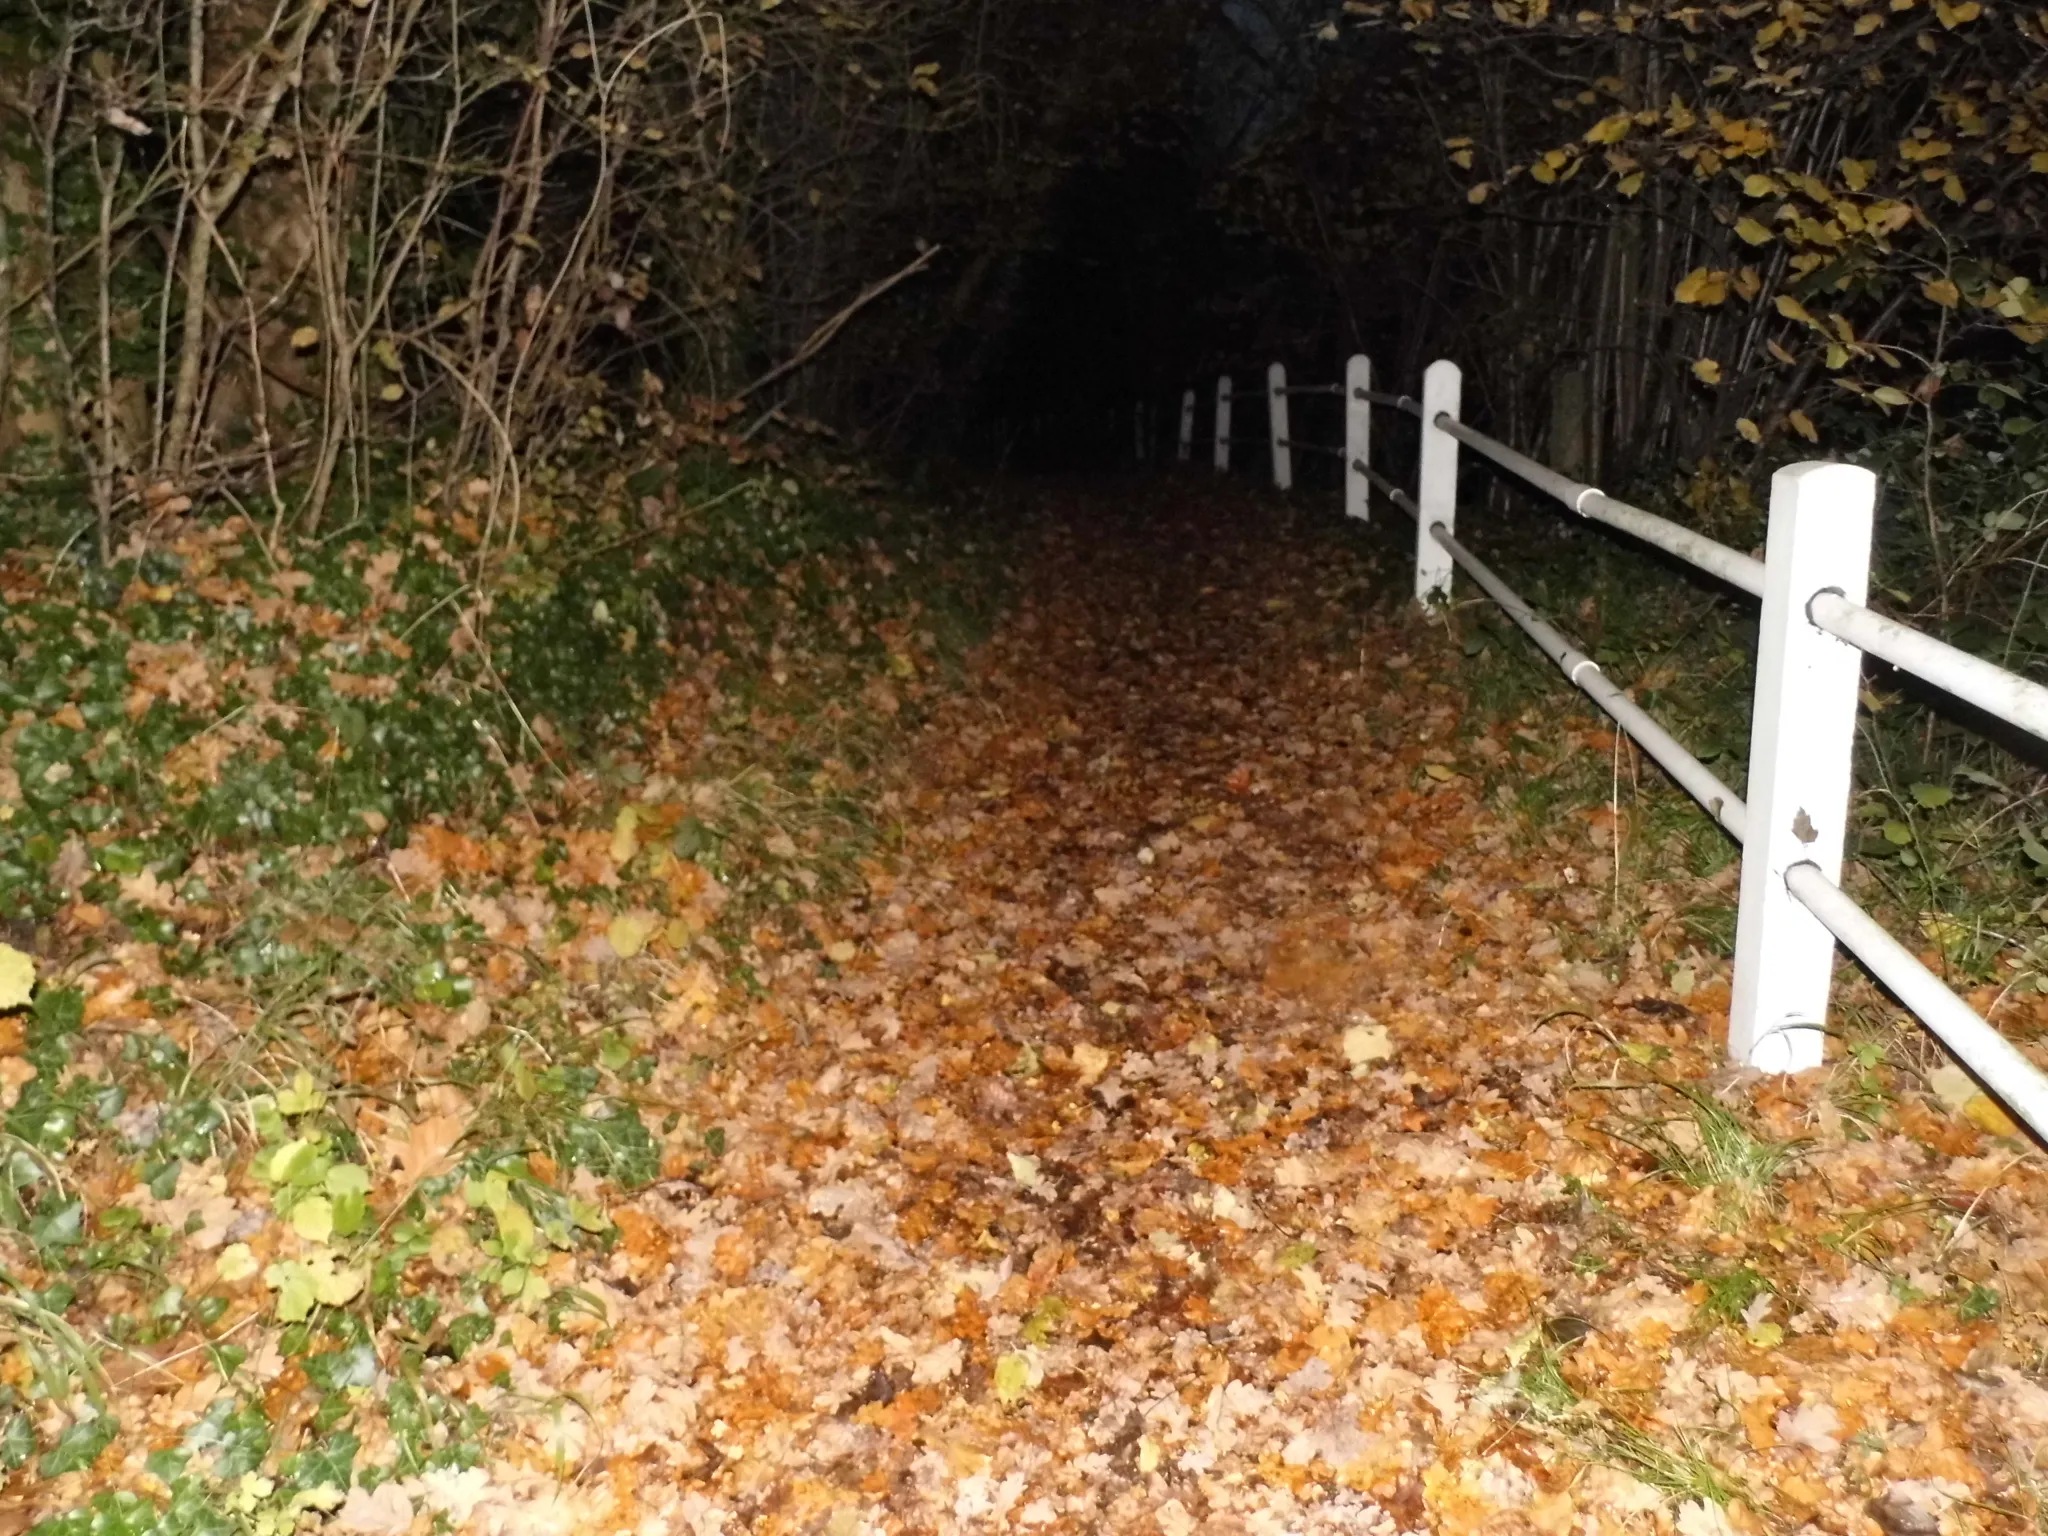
[(1886, 394), (1953, 16), (1630, 184), (1752, 232), (1480, 193), (1857, 172), (391, 393), (1838, 355), (625, 835), (1792, 309), (1981, 1110), (2038, 160), (1747, 430), (1462, 159), (1803, 425), (1760, 185), (1012, 1379), (1780, 353), (1706, 370), (1942, 291), (1544, 172), (305, 338), (1952, 187), (1865, 25), (17, 977), (1610, 130), (1747, 283), (628, 934), (1702, 285)]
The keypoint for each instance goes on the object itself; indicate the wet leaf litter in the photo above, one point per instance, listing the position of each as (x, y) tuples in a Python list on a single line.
[(1214, 1130), (1218, 1113)]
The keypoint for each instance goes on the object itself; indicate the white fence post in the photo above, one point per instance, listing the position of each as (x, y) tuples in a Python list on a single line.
[(1802, 736), (1223, 422), (1357, 438), (1187, 424), (1276, 427), (1436, 481)]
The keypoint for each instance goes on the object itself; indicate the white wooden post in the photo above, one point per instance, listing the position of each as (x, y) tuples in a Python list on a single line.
[(1223, 423), (1436, 481), (1802, 735), (1357, 438), (1187, 424), (1276, 427)]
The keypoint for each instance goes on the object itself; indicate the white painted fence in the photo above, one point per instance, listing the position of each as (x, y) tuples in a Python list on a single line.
[(1815, 629)]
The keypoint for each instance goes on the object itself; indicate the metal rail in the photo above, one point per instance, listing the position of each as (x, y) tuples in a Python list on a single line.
[(1737, 569), (1309, 389), (1970, 678), (1990, 687), (1584, 674), (1976, 1044), (1399, 402), (1288, 442)]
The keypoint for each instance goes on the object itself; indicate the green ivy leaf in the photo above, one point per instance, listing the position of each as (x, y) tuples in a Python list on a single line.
[(294, 1286), (313, 1218), (79, 1446)]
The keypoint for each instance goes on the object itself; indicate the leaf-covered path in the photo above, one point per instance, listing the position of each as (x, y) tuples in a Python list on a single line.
[(1202, 1127), (1250, 1096)]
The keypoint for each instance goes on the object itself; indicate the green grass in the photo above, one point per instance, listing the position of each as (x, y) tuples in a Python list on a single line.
[(1704, 1144), (1681, 1471)]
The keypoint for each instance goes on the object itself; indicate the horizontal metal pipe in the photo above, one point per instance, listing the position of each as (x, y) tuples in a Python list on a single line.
[(1310, 389), (1691, 775), (1391, 491), (1741, 571), (1970, 678), (1995, 1060), (1288, 442), (1406, 403)]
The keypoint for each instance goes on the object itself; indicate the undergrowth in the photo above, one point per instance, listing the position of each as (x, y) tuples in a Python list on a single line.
[(329, 863)]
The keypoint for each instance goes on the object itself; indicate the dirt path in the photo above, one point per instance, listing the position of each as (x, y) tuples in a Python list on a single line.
[(1195, 1136)]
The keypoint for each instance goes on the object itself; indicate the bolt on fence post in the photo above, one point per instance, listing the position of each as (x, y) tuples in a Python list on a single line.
[(1187, 424), (1276, 427), (1223, 422), (1357, 438), (1801, 743), (1436, 480)]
